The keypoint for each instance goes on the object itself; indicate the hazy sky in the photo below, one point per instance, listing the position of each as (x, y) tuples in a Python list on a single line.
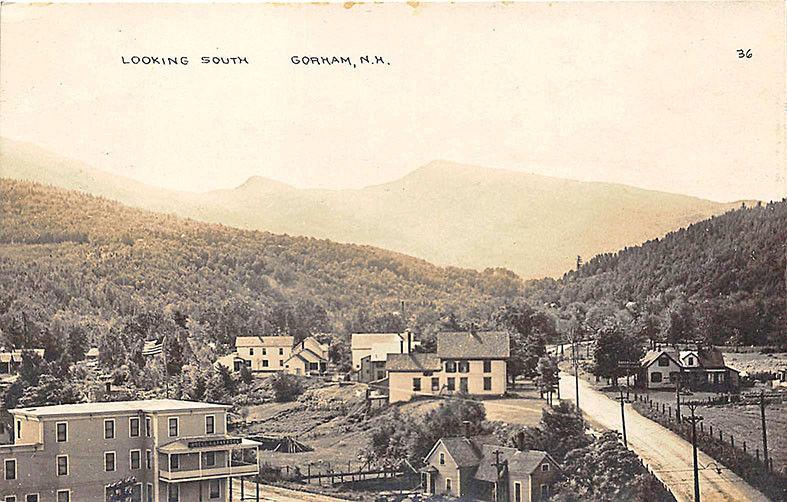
[(652, 95)]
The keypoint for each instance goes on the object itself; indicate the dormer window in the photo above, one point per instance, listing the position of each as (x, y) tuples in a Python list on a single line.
[(690, 361), (664, 361), (442, 459)]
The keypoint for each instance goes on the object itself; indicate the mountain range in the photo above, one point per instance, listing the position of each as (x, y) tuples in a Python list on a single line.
[(443, 212)]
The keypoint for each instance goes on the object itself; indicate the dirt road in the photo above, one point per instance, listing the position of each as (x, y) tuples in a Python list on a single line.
[(667, 454), (275, 494)]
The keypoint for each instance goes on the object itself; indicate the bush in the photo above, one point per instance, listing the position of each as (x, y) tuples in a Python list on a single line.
[(285, 387)]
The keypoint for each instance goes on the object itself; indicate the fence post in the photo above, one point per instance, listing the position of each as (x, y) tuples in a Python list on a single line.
[(732, 440), (702, 428), (744, 447), (721, 435), (711, 430), (757, 454)]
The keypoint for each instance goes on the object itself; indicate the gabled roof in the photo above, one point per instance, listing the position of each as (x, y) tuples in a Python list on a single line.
[(520, 463), (264, 341), (306, 353), (711, 358), (413, 362), (468, 345), (652, 356), (464, 451)]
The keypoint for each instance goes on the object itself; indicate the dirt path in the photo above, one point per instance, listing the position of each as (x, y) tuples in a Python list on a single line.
[(275, 494), (667, 454)]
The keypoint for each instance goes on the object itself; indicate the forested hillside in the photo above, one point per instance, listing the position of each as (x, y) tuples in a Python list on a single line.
[(721, 280), (81, 270)]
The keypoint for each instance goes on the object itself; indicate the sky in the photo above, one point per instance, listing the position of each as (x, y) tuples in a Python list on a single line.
[(647, 94)]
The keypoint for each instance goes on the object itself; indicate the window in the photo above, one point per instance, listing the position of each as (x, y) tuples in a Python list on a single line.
[(210, 424), (487, 366), (173, 427), (450, 366), (691, 361), (149, 493), (10, 498), (174, 462), (442, 458), (135, 459), (463, 385), (109, 461), (435, 384), (463, 366), (62, 465), (655, 377), (210, 458), (109, 429), (63, 496), (10, 468), (281, 351), (544, 491), (264, 351), (451, 383), (251, 352), (517, 492), (416, 385), (173, 493), (148, 459), (148, 427), (214, 490), (31, 497), (545, 467), (133, 427), (281, 362), (487, 383), (62, 432), (18, 429), (663, 361), (448, 485), (136, 493), (264, 363)]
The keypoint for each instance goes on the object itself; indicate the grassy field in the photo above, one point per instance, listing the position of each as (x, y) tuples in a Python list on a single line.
[(754, 362)]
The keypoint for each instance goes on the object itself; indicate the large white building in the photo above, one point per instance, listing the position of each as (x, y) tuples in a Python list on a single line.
[(156, 450)]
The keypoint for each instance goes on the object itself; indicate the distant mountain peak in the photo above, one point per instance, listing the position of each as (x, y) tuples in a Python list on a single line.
[(263, 184)]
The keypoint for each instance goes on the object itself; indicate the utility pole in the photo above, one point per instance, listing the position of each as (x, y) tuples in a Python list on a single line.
[(677, 398), (764, 432), (574, 350), (623, 416), (501, 485), (694, 419)]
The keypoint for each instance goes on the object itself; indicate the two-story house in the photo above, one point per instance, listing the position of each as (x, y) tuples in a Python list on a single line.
[(468, 362), (157, 450), (309, 357), (265, 354), (468, 469)]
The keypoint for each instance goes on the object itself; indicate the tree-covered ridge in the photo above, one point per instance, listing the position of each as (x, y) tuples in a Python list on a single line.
[(72, 261), (722, 279)]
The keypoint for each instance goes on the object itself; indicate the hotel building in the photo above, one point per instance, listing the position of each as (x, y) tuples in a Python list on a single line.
[(152, 451)]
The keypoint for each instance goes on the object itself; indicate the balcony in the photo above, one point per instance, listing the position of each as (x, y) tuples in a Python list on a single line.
[(236, 468)]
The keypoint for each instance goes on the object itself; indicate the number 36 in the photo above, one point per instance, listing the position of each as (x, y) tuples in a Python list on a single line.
[(744, 53)]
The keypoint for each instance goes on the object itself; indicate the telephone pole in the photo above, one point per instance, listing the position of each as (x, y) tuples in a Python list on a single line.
[(694, 419), (764, 431), (623, 416)]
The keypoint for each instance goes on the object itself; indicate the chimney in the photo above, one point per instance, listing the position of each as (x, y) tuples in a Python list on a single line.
[(465, 428)]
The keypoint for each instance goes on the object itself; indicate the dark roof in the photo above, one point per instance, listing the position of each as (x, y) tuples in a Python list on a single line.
[(520, 463), (478, 345), (413, 362), (711, 358), (465, 452)]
